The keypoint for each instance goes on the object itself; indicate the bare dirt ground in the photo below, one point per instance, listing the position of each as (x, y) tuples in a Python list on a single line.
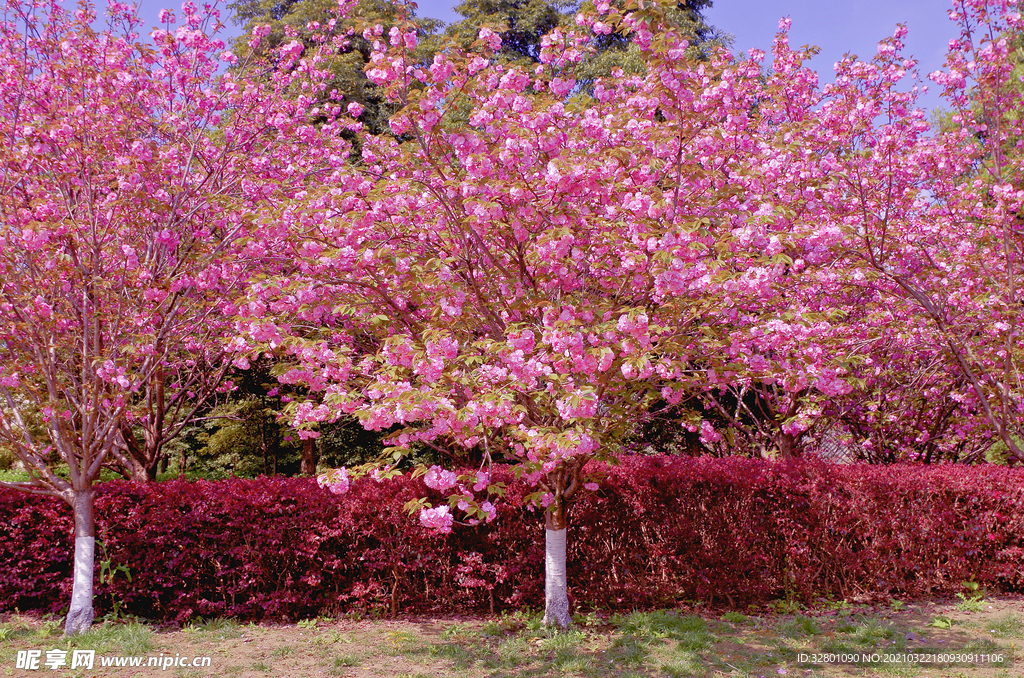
[(980, 638)]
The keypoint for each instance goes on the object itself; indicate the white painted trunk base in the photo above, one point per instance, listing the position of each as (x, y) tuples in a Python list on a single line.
[(81, 614), (556, 599)]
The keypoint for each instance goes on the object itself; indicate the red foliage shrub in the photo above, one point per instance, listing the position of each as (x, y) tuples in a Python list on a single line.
[(658, 531), (744, 531), (36, 549)]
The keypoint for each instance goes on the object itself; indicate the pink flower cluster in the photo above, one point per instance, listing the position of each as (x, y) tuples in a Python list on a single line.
[(438, 518), (337, 480), (440, 479)]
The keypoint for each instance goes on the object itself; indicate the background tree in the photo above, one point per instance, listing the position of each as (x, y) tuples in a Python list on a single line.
[(306, 20), (128, 172), (170, 397), (247, 433), (521, 25)]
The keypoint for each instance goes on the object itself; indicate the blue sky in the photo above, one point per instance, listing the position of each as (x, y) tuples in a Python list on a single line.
[(854, 26), (836, 27)]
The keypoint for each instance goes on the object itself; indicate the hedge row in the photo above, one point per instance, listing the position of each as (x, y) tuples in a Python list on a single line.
[(658, 531)]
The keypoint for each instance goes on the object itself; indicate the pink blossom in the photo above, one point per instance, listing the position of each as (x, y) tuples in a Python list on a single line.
[(708, 433), (43, 309), (477, 64), (562, 86), (336, 480), (438, 518), (440, 479), (492, 39), (292, 49)]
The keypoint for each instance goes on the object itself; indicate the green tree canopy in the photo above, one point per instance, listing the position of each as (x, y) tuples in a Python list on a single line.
[(302, 19), (522, 23)]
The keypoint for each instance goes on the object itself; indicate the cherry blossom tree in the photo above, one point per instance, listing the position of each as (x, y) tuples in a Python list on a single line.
[(523, 287), (911, 249), (932, 217), (129, 171)]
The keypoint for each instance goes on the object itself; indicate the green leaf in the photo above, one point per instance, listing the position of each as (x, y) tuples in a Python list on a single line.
[(415, 505)]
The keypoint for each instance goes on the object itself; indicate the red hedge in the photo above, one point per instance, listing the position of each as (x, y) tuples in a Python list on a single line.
[(659, 530)]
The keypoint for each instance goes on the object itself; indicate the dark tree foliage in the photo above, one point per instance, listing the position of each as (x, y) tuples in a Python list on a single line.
[(522, 23), (302, 19)]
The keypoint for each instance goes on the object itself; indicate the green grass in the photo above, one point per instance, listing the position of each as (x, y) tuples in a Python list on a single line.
[(509, 653), (219, 628), (660, 624), (800, 626), (837, 645), (1010, 626), (663, 643), (630, 651), (11, 476), (15, 630), (454, 652), (400, 643), (736, 618), (667, 643), (124, 638), (14, 476), (343, 662), (973, 602), (873, 633)]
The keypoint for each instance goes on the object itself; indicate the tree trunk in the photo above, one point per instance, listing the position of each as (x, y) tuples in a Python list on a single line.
[(788, 445), (136, 468), (153, 466), (309, 457), (556, 598), (81, 614), (141, 467)]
